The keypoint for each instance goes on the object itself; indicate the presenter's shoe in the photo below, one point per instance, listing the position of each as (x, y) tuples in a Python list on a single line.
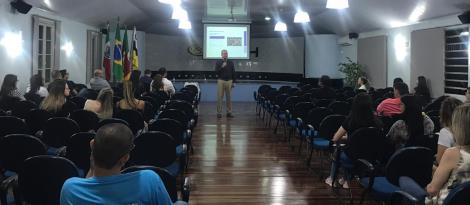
[(219, 115), (229, 115)]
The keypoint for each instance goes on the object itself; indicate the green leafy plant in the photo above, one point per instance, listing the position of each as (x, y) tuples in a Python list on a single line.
[(352, 71)]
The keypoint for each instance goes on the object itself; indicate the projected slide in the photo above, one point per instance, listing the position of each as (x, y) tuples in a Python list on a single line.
[(233, 38)]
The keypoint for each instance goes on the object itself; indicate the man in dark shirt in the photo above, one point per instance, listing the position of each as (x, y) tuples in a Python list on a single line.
[(225, 69)]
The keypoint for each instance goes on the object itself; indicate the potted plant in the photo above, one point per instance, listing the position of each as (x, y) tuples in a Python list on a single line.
[(352, 71)]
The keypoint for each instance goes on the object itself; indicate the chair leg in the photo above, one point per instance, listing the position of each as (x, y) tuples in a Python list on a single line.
[(275, 128), (3, 197), (363, 196), (270, 119), (300, 144)]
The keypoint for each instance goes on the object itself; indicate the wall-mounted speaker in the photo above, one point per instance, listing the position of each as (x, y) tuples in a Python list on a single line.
[(353, 35), (21, 6), (465, 17)]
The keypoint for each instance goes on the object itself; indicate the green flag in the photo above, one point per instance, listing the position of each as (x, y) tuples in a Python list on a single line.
[(117, 62)]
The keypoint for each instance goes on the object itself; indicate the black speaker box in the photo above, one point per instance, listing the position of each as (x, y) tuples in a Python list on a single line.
[(353, 35), (465, 17), (21, 6)]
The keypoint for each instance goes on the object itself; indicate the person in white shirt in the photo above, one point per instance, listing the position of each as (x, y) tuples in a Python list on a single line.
[(363, 83), (167, 84), (36, 86), (446, 138)]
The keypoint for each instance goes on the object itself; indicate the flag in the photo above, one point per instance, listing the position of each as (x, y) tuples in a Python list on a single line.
[(107, 56), (135, 53), (117, 63), (125, 55)]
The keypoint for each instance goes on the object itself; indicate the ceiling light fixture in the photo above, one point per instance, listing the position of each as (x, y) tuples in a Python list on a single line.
[(301, 17), (280, 26), (417, 12), (267, 18), (171, 2), (337, 4), (179, 13), (68, 48), (184, 24), (13, 43)]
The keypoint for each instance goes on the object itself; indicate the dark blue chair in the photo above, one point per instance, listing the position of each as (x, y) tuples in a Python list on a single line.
[(327, 129), (459, 195)]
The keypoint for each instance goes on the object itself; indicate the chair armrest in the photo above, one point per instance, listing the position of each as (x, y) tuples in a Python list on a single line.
[(6, 183), (370, 171), (310, 127), (186, 189), (370, 167), (299, 122)]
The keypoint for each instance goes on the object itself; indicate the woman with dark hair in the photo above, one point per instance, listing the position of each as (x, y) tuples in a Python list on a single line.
[(158, 87), (363, 83), (413, 124), (361, 115), (9, 88), (36, 86), (446, 138), (423, 90)]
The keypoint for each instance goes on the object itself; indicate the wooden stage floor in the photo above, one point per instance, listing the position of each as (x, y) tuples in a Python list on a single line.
[(239, 161)]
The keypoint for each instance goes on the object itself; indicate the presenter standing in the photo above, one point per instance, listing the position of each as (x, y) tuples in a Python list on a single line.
[(225, 69)]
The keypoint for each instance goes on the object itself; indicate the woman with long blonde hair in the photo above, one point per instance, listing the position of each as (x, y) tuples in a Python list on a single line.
[(103, 105), (58, 91), (129, 102)]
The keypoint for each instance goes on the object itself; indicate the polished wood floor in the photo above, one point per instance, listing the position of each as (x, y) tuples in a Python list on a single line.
[(239, 161)]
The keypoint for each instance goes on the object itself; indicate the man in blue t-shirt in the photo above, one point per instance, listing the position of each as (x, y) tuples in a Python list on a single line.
[(105, 184)]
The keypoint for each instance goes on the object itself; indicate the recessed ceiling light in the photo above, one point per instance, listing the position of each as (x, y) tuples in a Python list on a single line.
[(337, 4), (280, 26), (417, 12), (184, 24), (267, 18), (301, 17)]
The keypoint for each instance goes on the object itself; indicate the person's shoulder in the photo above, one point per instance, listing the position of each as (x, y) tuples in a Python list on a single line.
[(72, 183)]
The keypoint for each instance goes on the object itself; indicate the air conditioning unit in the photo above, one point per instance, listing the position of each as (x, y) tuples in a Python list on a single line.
[(345, 43)]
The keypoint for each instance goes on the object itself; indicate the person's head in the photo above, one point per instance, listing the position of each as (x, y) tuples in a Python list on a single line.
[(460, 128), (9, 84), (362, 111), (324, 81), (447, 108), (147, 72), (162, 71), (422, 82), (58, 90), (98, 73), (397, 80), (467, 95), (56, 75), (400, 89), (64, 74), (128, 93), (111, 146), (35, 83), (412, 115), (362, 81), (135, 78), (224, 54), (105, 97), (157, 84)]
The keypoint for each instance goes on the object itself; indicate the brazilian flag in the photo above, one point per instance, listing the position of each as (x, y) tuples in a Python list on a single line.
[(117, 62)]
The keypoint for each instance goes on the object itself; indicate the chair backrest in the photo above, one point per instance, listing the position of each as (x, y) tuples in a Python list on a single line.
[(413, 162), (58, 130), (290, 102), (340, 107), (293, 91), (280, 99), (78, 149), (168, 180), (367, 143), (170, 126), (301, 109), (134, 119), (153, 148), (284, 89), (433, 113), (263, 89), (111, 120), (92, 94), (85, 119), (428, 141), (12, 125), (22, 108), (149, 111), (329, 125), (437, 123), (316, 115), (15, 148), (186, 107), (36, 119), (323, 102), (67, 108), (458, 195), (33, 97), (79, 101), (42, 178), (402, 198), (182, 96), (177, 115), (7, 102), (193, 88)]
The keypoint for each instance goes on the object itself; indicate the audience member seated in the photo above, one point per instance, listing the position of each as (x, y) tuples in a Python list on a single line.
[(455, 166), (9, 87), (98, 82), (361, 115), (167, 84), (157, 85), (139, 87), (324, 91), (56, 75), (105, 184), (412, 125), (103, 105), (129, 102), (146, 80), (36, 86), (55, 102), (446, 139), (363, 83), (391, 106), (423, 90), (71, 84), (397, 80)]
